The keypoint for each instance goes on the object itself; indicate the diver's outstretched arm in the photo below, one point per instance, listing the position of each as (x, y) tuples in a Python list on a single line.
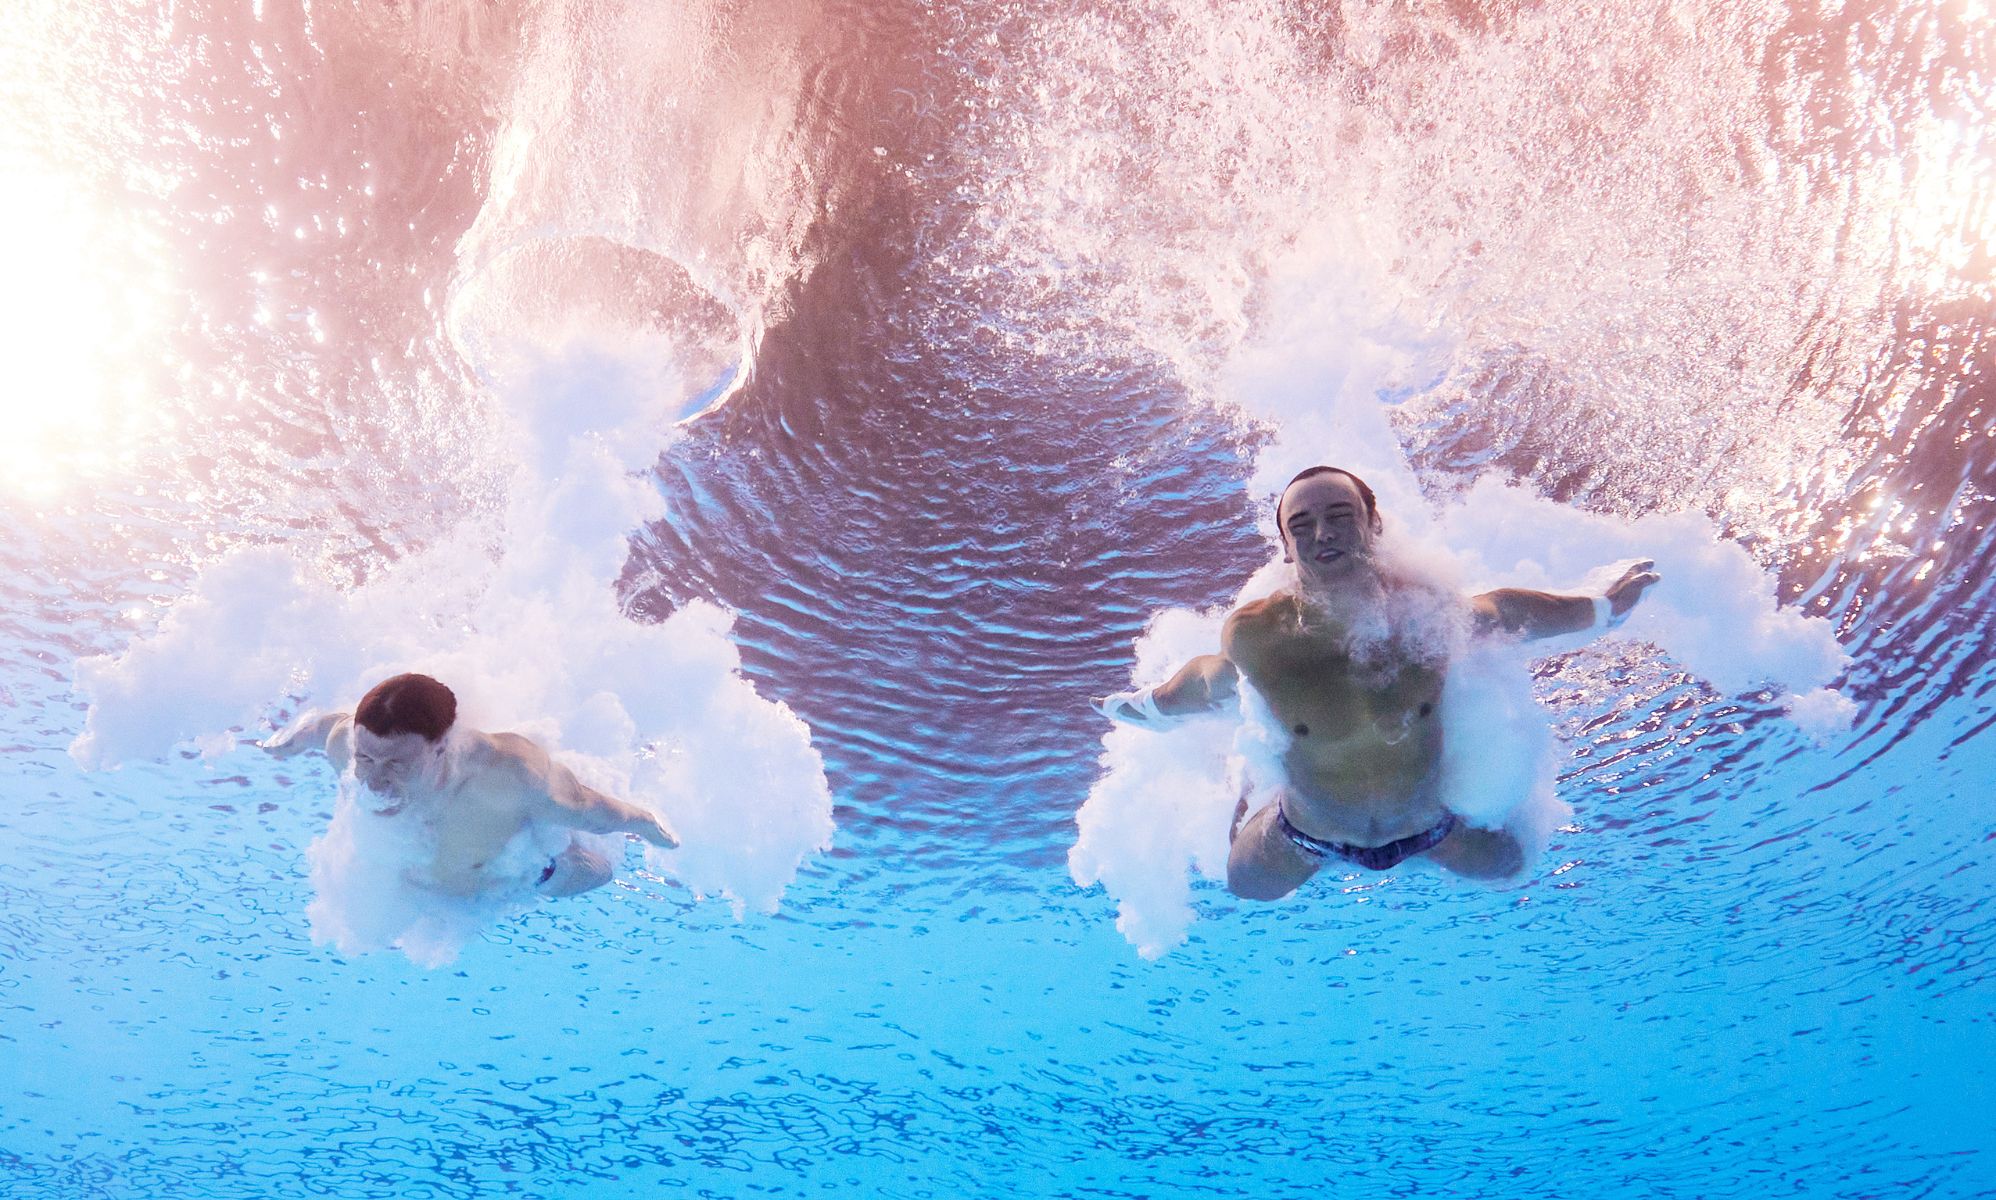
[(311, 731), (1530, 615), (555, 795), (1206, 684), (607, 814)]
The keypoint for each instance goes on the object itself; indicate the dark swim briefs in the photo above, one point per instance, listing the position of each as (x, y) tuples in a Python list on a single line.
[(1373, 858)]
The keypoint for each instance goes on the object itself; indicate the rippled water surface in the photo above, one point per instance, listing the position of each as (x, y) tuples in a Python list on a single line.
[(981, 284)]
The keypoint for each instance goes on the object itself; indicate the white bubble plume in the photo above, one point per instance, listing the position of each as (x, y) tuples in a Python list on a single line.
[(525, 626), (1316, 379)]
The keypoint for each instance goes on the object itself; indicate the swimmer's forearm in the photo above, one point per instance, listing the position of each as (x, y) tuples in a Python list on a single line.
[(592, 811), (322, 729), (1532, 615), (583, 807), (310, 733), (649, 826), (1207, 682)]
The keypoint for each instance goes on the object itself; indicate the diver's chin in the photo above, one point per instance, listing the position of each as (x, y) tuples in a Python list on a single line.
[(1341, 578), (1330, 570), (396, 801)]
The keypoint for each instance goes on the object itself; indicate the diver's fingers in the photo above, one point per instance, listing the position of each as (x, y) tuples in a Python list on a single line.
[(1638, 576)]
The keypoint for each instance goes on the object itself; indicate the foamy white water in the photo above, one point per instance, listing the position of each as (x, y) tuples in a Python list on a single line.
[(1017, 312)]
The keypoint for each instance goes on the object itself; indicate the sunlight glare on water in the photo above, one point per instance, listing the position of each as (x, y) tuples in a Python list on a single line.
[(82, 309), (342, 337), (74, 399)]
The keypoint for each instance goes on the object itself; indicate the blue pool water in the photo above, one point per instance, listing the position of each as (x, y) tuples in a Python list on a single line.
[(1010, 304)]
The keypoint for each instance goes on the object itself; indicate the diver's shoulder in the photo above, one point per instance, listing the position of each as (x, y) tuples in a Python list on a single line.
[(1257, 621), (507, 761), (1404, 584), (510, 749), (476, 750), (1269, 610)]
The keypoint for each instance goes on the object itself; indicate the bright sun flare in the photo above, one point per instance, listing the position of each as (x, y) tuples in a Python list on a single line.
[(70, 393)]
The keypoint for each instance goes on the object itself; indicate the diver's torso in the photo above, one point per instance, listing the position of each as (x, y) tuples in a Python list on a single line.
[(467, 842), (471, 817), (1364, 736)]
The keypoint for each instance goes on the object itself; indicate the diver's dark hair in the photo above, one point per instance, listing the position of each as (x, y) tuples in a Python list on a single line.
[(407, 704), (1364, 489)]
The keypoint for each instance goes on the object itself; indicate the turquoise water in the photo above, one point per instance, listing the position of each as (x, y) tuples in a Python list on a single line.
[(988, 418)]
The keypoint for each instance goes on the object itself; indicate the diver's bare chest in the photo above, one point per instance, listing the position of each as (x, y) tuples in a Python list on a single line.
[(1321, 692), (469, 833)]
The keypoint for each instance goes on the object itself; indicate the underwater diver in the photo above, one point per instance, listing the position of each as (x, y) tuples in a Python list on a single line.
[(1361, 769), (473, 792)]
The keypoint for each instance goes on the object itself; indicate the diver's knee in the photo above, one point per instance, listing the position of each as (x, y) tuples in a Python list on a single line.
[(592, 870), (1258, 885), (1505, 860), (576, 871), (1496, 860), (1491, 872)]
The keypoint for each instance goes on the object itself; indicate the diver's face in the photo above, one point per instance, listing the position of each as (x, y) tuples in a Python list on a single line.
[(387, 765), (1325, 529)]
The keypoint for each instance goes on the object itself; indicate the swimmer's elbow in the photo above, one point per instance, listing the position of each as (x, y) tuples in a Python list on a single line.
[(1203, 685), (1223, 680), (1505, 612)]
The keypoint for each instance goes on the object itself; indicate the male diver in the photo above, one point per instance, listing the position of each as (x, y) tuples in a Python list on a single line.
[(472, 792), (1356, 695)]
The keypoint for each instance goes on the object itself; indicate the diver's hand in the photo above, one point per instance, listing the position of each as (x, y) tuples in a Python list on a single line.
[(311, 731), (1138, 708), (281, 747), (289, 742), (1625, 593), (659, 834)]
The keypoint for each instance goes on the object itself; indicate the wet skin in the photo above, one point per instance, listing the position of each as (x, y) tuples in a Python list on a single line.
[(1365, 738), (474, 800)]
